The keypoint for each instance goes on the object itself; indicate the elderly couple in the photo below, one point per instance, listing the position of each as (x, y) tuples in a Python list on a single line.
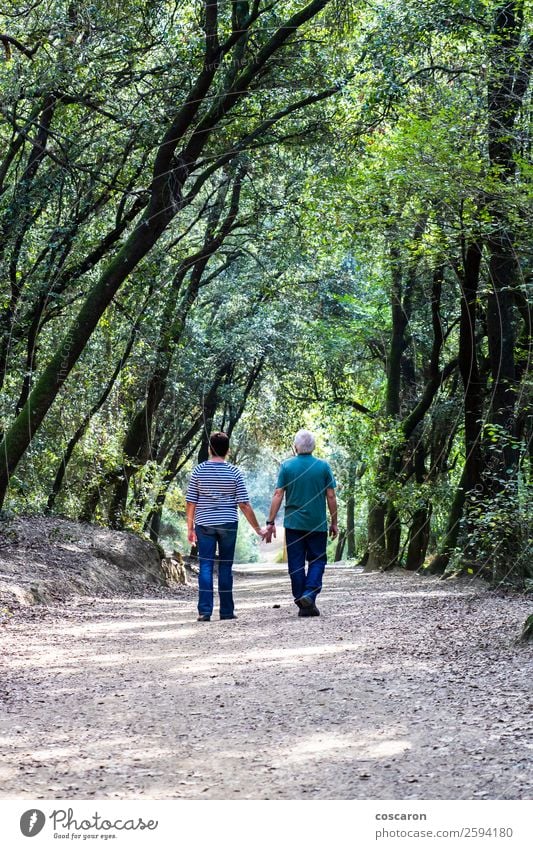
[(217, 488)]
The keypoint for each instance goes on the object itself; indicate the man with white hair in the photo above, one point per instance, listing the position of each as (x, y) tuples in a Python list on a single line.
[(307, 484)]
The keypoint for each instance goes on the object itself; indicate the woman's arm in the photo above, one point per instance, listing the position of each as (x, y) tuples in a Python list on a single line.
[(247, 510), (191, 510)]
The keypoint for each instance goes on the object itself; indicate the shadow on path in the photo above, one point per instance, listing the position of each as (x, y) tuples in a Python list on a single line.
[(404, 687)]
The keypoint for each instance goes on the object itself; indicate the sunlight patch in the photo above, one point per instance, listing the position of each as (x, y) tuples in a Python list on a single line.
[(335, 746), (272, 656)]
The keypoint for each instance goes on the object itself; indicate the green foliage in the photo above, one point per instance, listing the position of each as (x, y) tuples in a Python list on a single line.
[(348, 208), (497, 539)]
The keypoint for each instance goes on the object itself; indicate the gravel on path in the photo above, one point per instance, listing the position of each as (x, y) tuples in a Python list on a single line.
[(406, 687)]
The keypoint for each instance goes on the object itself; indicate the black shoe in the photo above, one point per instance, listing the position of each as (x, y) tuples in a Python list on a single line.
[(309, 611), (229, 617), (203, 618), (305, 602)]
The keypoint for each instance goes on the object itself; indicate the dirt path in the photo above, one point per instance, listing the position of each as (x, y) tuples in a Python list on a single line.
[(405, 687)]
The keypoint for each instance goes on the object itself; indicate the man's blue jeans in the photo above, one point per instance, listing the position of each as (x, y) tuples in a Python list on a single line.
[(302, 546), (209, 538)]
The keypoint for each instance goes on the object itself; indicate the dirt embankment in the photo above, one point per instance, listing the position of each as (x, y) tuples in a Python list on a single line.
[(46, 560)]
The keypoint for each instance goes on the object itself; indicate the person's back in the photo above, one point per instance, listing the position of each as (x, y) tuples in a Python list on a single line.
[(216, 488), (305, 480)]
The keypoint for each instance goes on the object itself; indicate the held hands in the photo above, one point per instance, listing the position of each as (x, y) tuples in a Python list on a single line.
[(270, 531)]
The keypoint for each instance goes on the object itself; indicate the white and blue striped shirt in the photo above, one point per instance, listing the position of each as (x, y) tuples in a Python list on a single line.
[(216, 489)]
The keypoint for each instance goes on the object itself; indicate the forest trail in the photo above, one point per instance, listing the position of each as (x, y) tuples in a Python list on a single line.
[(404, 687)]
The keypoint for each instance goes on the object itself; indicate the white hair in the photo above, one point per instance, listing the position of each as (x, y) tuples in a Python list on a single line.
[(304, 442)]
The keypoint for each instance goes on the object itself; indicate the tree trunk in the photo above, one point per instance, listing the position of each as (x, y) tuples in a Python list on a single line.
[(441, 560), (379, 508), (350, 526), (350, 511), (384, 525), (393, 532), (469, 368), (472, 404), (377, 553), (418, 538), (502, 271), (508, 82), (339, 548)]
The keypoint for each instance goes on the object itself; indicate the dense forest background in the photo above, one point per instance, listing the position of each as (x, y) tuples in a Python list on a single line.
[(257, 216)]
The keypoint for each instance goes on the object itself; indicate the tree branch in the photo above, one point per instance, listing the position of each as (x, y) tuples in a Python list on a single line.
[(7, 40)]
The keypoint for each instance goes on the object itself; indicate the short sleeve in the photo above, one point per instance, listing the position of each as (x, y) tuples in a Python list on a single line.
[(242, 493), (282, 477), (193, 493), (331, 483)]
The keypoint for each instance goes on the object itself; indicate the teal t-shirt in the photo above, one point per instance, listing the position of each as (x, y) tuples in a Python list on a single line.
[(305, 480)]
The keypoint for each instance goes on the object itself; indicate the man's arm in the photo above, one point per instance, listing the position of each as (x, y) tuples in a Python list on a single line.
[(275, 504), (247, 510), (331, 498), (191, 510)]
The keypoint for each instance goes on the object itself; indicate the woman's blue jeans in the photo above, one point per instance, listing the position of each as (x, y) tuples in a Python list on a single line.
[(302, 546), (211, 537)]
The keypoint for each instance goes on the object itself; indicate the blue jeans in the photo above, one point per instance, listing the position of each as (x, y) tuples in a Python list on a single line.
[(302, 546), (209, 536)]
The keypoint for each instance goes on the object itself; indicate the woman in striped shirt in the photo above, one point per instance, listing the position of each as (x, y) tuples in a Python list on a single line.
[(216, 489)]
